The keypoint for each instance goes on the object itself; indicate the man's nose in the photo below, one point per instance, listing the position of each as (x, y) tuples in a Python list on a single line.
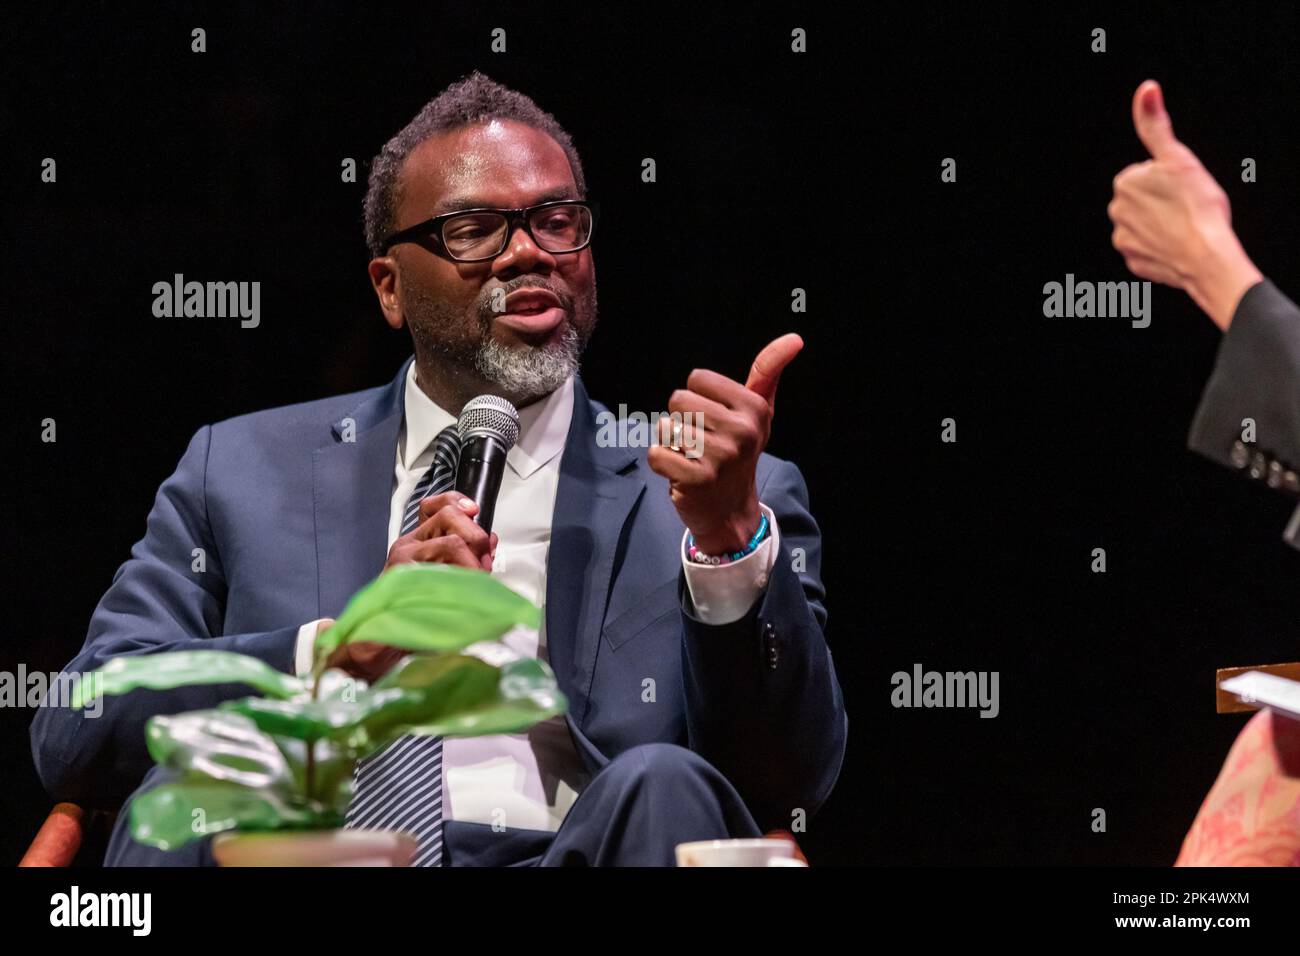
[(521, 254)]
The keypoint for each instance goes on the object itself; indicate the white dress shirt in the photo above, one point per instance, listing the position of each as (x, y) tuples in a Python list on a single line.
[(530, 780)]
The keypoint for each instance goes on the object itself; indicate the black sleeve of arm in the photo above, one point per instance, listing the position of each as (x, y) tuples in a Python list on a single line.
[(1256, 377)]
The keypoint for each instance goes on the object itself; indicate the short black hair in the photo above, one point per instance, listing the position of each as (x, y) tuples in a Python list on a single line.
[(472, 99)]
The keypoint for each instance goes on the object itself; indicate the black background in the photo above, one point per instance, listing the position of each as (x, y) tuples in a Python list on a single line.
[(775, 171)]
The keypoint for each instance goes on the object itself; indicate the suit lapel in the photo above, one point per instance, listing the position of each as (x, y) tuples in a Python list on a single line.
[(598, 489), (352, 479)]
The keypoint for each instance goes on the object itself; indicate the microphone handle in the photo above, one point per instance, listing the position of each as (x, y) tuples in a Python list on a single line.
[(482, 465)]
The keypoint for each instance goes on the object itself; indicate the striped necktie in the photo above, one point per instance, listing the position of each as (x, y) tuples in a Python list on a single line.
[(400, 787)]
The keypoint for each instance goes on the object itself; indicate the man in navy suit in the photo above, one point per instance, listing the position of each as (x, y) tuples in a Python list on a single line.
[(681, 589)]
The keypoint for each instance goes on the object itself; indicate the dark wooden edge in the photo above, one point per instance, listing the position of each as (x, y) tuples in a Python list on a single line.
[(1227, 703)]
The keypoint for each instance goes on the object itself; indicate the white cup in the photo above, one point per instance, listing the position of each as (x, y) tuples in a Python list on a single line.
[(759, 852)]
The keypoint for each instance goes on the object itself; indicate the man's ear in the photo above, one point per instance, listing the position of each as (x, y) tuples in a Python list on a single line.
[(387, 285)]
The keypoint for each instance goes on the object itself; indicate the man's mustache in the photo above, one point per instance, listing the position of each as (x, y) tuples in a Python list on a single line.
[(487, 313)]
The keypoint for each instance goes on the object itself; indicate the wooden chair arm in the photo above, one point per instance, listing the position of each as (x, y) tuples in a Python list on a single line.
[(59, 838)]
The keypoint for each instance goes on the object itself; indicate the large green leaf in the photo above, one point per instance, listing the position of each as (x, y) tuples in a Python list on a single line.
[(448, 694), (471, 700), (228, 747), (173, 814), (310, 720), (220, 746), (183, 669), (429, 607)]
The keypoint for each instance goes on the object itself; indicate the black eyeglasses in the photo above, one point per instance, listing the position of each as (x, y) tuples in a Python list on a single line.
[(476, 235)]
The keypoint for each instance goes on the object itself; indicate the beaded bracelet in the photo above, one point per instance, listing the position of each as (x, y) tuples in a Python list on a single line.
[(699, 557)]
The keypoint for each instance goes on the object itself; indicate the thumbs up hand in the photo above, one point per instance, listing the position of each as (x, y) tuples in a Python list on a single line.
[(1173, 223), (724, 428)]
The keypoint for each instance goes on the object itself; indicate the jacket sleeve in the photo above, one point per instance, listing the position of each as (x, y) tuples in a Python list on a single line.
[(157, 602), (763, 704), (1257, 378)]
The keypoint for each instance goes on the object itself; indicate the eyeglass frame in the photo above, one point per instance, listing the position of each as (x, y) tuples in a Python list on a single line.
[(431, 228)]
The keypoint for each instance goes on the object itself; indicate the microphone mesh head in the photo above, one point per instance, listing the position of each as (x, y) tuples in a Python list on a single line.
[(489, 415)]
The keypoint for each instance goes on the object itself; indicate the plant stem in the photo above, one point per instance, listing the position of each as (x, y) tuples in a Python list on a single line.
[(311, 768), (316, 671), (311, 748)]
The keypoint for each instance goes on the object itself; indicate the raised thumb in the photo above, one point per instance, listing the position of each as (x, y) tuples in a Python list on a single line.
[(1153, 125)]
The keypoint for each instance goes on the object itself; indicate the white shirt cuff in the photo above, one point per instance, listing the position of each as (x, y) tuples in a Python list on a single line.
[(723, 593), (302, 654)]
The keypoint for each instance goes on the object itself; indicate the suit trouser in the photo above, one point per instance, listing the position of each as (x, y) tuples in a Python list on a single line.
[(633, 812)]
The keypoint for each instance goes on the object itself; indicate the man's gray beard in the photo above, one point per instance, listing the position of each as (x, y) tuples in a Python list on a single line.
[(521, 373), (532, 372)]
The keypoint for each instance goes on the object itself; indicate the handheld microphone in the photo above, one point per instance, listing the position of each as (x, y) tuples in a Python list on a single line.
[(489, 428)]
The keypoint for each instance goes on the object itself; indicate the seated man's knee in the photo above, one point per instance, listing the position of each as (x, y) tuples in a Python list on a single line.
[(671, 770), (665, 761)]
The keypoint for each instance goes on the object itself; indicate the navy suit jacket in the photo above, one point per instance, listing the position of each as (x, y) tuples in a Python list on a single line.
[(1257, 377), (293, 519)]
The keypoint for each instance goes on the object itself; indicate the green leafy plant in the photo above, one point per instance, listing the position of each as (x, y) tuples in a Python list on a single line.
[(285, 760)]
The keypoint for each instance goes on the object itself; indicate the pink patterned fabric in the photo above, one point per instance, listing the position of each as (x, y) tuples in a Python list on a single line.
[(1251, 816)]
